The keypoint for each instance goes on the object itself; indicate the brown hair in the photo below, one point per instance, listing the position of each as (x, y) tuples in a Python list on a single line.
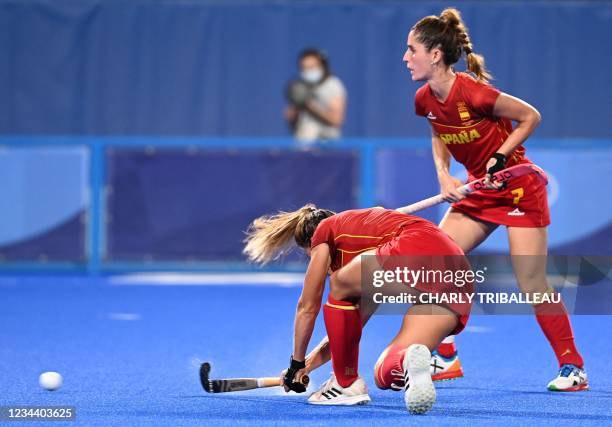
[(270, 236), (449, 33)]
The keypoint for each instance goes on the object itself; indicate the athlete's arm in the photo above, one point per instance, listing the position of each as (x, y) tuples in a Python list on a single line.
[(319, 356), (309, 303), (527, 119), (448, 183)]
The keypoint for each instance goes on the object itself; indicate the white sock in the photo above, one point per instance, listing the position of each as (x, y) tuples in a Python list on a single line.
[(449, 339)]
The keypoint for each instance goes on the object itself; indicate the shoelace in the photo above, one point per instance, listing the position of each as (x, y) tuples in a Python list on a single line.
[(397, 374), (566, 370), (397, 380)]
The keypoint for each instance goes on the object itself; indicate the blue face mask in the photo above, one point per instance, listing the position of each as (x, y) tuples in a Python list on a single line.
[(312, 75)]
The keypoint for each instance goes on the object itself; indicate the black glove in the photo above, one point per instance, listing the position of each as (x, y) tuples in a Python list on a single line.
[(500, 164), (288, 380)]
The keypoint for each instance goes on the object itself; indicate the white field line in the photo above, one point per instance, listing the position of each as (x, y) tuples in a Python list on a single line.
[(124, 316), (209, 279)]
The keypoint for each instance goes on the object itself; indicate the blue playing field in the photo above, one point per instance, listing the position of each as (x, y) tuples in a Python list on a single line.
[(130, 355)]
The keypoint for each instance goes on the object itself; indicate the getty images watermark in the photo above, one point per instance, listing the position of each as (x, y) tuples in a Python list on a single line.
[(457, 278), (488, 284)]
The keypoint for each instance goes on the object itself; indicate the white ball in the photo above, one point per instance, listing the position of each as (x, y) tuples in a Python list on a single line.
[(50, 380)]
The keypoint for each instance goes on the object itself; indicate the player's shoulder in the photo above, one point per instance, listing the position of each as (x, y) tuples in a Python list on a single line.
[(370, 215), (327, 222), (352, 216), (350, 213), (467, 80), (324, 233), (479, 96), (421, 99), (422, 93)]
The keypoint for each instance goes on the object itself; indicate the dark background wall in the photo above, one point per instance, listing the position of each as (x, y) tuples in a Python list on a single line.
[(217, 68), (75, 73)]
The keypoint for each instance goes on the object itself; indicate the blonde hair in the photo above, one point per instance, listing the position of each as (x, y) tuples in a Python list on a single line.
[(271, 236), (450, 34)]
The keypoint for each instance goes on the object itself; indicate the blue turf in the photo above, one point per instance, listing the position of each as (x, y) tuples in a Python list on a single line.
[(144, 370)]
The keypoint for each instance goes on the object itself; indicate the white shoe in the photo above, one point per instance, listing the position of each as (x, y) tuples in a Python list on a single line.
[(420, 394), (570, 378), (332, 393)]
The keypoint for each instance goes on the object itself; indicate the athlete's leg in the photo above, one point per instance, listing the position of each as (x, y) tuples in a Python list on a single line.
[(345, 290), (343, 324), (346, 284), (405, 362), (468, 233), (528, 248), (343, 320), (423, 324)]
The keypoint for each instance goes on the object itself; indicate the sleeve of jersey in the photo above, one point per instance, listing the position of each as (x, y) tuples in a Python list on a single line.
[(482, 98), (323, 234)]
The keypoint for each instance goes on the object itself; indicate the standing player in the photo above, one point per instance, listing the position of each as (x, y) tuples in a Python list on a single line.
[(472, 121), (333, 242)]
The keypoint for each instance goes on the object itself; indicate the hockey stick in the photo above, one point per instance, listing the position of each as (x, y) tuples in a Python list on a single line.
[(238, 384), (479, 184)]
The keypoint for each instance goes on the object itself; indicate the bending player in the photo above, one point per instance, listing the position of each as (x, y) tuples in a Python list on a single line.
[(472, 121), (333, 242)]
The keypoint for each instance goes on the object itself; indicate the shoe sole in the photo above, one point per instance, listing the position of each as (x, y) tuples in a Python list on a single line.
[(421, 394), (447, 376), (581, 387), (361, 399)]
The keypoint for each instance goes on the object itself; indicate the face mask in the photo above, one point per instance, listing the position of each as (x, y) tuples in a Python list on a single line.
[(312, 75)]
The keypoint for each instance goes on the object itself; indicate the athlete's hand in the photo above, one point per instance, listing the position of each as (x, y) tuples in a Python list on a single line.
[(298, 376), (448, 188), (291, 376), (494, 165)]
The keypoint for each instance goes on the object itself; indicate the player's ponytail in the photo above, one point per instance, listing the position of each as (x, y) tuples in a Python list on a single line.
[(271, 236), (461, 41), (449, 33), (476, 64)]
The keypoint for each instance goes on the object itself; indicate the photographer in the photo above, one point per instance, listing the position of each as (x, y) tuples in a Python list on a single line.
[(317, 100)]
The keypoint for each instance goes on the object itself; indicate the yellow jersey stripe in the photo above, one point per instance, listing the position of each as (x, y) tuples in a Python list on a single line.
[(458, 127), (356, 252), (362, 237)]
